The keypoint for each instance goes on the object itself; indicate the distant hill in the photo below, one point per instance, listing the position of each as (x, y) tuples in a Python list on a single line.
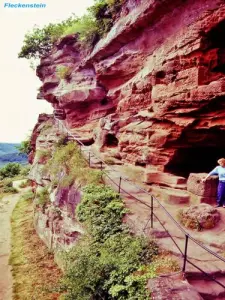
[(9, 153)]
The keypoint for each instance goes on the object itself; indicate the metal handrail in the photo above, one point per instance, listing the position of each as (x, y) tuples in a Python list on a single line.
[(187, 235)]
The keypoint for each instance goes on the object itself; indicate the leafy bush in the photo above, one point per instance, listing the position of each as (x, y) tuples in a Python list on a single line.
[(119, 261), (63, 72), (6, 186), (116, 265), (46, 126), (43, 198), (25, 170), (25, 146), (87, 29), (10, 170), (9, 189), (102, 210)]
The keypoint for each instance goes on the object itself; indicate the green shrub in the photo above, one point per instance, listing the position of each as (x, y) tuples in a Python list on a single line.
[(10, 170), (43, 155), (28, 196), (86, 27), (25, 171), (10, 190), (43, 197), (102, 210), (47, 125), (63, 72), (6, 186), (25, 146), (119, 261), (62, 141), (116, 266)]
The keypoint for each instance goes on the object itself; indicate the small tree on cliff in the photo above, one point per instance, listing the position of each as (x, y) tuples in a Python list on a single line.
[(38, 42), (90, 28), (25, 146)]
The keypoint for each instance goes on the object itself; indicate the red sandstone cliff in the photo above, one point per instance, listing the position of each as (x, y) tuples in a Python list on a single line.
[(153, 89)]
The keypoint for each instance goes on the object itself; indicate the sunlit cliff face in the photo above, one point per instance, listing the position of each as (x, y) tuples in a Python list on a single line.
[(159, 73)]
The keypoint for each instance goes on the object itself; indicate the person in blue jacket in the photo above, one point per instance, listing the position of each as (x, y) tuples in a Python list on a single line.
[(220, 171)]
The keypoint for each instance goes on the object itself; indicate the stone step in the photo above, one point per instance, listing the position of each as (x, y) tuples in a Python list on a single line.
[(172, 287), (209, 290), (170, 195), (153, 176)]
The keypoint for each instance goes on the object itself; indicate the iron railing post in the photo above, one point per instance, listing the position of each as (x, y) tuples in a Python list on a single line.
[(185, 252), (120, 184), (152, 212)]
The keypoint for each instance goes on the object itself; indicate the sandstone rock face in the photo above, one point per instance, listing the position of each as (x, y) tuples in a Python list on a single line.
[(205, 189), (202, 192), (201, 216), (56, 229), (54, 221), (160, 72)]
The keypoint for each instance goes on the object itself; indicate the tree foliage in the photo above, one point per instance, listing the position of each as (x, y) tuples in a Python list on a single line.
[(25, 147), (38, 42), (90, 28), (10, 170)]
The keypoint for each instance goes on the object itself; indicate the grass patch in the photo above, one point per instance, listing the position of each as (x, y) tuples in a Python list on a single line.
[(134, 173), (34, 272), (68, 160), (43, 156), (6, 187), (25, 184), (43, 198)]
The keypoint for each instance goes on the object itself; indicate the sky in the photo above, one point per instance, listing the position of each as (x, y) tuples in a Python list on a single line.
[(19, 108)]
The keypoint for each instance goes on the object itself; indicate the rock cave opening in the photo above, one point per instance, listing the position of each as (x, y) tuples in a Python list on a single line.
[(215, 36), (214, 40), (104, 101), (111, 140), (195, 160)]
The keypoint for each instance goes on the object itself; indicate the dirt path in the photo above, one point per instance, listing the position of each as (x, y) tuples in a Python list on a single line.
[(7, 205)]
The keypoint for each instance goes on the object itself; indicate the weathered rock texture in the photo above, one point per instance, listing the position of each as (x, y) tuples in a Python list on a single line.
[(159, 73), (54, 220), (204, 191), (172, 288), (201, 216)]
